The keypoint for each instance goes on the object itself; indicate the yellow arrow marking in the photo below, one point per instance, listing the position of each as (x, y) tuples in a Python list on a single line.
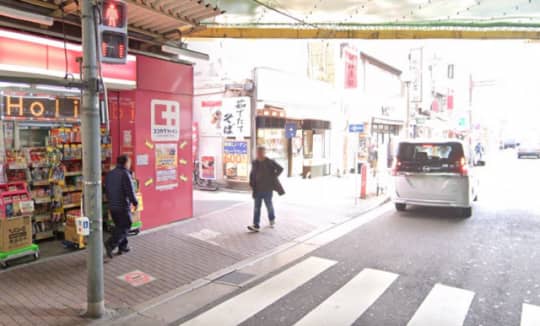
[(183, 178), (183, 144), (149, 144), (183, 162), (149, 182)]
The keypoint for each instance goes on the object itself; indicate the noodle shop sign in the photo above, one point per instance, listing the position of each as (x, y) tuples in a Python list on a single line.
[(40, 108)]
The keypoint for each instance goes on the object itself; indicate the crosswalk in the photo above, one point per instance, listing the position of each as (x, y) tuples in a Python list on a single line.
[(443, 306)]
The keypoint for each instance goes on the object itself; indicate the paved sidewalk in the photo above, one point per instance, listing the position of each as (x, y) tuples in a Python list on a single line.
[(53, 291)]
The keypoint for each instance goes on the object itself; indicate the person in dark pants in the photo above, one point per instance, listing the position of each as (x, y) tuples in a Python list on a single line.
[(263, 180), (121, 196)]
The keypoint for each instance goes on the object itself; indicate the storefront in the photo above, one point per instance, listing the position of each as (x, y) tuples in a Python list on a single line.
[(149, 118)]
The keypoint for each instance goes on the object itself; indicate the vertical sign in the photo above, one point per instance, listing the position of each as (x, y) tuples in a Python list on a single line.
[(236, 115), (166, 166), (415, 67), (236, 160), (350, 58), (113, 32)]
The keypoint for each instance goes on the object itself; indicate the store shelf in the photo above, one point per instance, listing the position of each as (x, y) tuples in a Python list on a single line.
[(41, 183), (42, 200), (17, 166), (43, 217), (40, 165), (72, 190), (74, 205), (44, 235), (73, 174)]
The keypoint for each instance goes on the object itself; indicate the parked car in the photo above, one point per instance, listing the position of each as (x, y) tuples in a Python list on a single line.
[(529, 149), (510, 143), (434, 173)]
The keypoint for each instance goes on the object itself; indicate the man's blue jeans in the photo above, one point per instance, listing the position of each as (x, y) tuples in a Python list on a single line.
[(259, 198)]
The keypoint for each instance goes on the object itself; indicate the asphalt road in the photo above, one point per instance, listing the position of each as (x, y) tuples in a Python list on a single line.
[(422, 267)]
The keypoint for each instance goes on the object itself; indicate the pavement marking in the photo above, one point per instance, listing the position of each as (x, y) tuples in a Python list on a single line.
[(246, 304), (349, 302), (444, 306), (530, 315)]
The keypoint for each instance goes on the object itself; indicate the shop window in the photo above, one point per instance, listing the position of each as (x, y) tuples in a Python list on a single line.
[(308, 143)]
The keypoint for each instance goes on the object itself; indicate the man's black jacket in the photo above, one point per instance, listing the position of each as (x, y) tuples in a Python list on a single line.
[(264, 176), (119, 189)]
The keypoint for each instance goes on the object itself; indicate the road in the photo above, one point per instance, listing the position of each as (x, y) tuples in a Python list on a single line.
[(423, 267)]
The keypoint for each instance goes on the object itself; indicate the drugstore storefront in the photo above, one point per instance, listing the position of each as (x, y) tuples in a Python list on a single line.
[(148, 117)]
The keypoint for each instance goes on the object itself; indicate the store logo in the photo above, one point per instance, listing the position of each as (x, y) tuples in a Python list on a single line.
[(165, 120)]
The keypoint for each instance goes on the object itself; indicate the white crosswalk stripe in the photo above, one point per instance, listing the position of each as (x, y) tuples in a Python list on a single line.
[(246, 304), (444, 306), (352, 300), (530, 315)]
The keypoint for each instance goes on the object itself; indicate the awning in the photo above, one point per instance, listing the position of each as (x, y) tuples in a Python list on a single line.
[(381, 19)]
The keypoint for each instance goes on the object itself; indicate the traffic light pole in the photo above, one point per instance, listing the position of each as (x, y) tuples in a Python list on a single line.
[(90, 126)]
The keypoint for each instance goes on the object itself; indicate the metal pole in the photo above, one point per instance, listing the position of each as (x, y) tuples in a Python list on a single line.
[(408, 116), (92, 162)]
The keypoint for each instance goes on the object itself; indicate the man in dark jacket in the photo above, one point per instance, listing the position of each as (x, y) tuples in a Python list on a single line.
[(263, 181), (121, 196)]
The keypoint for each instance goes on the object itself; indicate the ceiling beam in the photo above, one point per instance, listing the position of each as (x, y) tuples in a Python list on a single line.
[(312, 33)]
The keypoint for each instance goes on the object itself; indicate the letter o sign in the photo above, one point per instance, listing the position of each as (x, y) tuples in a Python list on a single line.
[(40, 111)]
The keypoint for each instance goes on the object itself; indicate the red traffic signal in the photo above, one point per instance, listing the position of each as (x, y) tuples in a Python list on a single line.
[(114, 14)]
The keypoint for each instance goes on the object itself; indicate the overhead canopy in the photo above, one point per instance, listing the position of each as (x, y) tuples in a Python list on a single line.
[(361, 18), (151, 23)]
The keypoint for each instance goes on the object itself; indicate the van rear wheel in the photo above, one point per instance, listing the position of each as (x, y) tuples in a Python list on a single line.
[(466, 212), (401, 207)]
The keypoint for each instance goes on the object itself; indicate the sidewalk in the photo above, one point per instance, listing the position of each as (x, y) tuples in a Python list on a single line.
[(53, 291)]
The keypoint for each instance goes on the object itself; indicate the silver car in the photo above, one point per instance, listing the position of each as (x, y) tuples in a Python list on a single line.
[(434, 173), (531, 149)]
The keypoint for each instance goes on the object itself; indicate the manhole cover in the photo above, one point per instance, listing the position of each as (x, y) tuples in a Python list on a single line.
[(235, 278), (136, 278)]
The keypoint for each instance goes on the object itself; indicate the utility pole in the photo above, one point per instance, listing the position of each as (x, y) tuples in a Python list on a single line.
[(408, 116), (90, 126)]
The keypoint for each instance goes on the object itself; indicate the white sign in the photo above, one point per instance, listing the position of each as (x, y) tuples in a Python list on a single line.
[(415, 67), (165, 120), (236, 117), (142, 160)]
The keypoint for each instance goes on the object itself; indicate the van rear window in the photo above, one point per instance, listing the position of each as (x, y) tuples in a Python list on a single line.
[(436, 157)]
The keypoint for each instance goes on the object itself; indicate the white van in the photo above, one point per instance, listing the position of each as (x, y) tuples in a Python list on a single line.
[(434, 173)]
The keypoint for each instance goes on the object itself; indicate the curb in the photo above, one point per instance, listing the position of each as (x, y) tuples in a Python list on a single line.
[(199, 283)]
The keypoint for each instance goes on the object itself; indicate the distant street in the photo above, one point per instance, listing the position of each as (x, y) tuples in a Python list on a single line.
[(423, 267)]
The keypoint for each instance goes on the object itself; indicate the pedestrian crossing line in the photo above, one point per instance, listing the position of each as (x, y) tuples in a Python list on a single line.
[(530, 315), (349, 302), (246, 304), (444, 306)]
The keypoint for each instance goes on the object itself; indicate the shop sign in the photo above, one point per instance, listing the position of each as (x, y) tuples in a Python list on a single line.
[(415, 67), (211, 116), (165, 120), (236, 117), (236, 159), (351, 68), (40, 108), (208, 168), (290, 130), (356, 128), (166, 166)]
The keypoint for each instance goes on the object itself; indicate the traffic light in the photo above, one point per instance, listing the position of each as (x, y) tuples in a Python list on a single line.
[(113, 32)]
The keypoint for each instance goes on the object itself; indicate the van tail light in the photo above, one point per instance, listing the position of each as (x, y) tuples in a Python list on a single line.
[(463, 168), (396, 167)]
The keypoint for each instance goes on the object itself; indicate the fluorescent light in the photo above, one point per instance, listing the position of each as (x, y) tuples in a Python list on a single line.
[(26, 16), (14, 85), (58, 89), (184, 52)]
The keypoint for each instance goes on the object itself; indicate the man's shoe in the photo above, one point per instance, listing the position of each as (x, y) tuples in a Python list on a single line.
[(272, 223), (254, 228), (109, 251), (123, 250)]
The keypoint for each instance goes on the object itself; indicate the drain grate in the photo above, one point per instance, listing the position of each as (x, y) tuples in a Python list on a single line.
[(235, 278)]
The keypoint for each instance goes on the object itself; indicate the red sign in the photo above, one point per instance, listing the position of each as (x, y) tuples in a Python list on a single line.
[(351, 67), (136, 278)]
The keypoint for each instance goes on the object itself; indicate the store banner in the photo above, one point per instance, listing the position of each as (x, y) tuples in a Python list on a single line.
[(208, 167), (40, 108), (236, 117), (236, 160), (166, 166), (210, 111), (350, 57)]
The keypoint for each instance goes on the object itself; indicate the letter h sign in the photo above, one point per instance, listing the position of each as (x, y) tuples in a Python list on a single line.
[(165, 120)]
